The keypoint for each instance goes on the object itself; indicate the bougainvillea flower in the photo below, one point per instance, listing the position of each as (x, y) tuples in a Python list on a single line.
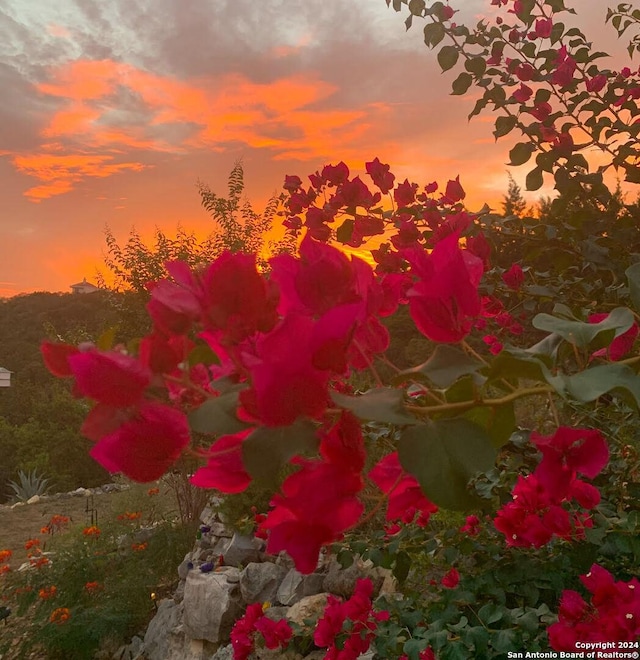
[(454, 192), (596, 84), (292, 365), (319, 280), (479, 246), (308, 514), (612, 614), (514, 277), (109, 377), (405, 193), (444, 300), (352, 194), (343, 444), (566, 452), (173, 308), (56, 357), (147, 445), (292, 183), (380, 175), (103, 420), (523, 93), (162, 354), (405, 495), (543, 27), (620, 345), (451, 579), (237, 300), (224, 470), (334, 175), (276, 634)]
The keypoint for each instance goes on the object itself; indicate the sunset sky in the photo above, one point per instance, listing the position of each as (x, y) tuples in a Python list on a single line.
[(112, 110)]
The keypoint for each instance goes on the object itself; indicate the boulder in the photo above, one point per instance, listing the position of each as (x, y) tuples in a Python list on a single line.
[(309, 607), (211, 606), (259, 582)]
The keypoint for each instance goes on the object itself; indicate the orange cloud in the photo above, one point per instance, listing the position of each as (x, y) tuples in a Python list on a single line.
[(61, 172), (289, 116)]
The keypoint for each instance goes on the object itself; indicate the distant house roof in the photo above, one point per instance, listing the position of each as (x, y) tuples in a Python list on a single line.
[(83, 287), (2, 369)]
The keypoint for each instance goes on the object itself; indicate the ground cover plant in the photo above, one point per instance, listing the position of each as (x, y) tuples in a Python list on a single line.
[(86, 579), (285, 373)]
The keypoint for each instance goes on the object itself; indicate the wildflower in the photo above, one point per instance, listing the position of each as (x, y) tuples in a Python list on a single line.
[(92, 531), (93, 587), (5, 555), (31, 543), (38, 562), (153, 491), (127, 515), (60, 615), (139, 547), (5, 569), (47, 593)]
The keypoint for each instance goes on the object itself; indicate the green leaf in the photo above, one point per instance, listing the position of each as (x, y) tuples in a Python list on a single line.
[(402, 566), (433, 34), (446, 365), (218, 415), (447, 57), (345, 230), (499, 421), (416, 7), (587, 335), (384, 404), (504, 125), (266, 450), (461, 84), (476, 65), (592, 383), (443, 456), (520, 153), (517, 363), (633, 277), (534, 179)]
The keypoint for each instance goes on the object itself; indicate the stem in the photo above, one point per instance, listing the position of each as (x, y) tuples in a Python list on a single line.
[(425, 411)]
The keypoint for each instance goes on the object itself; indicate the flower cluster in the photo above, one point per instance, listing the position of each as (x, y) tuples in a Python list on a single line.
[(276, 634), (92, 532), (47, 593), (56, 524), (60, 615), (538, 510), (347, 628), (612, 614)]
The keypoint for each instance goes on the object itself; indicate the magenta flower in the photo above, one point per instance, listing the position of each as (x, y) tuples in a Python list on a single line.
[(444, 299), (145, 446)]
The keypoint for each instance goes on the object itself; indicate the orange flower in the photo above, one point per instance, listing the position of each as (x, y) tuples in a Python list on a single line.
[(5, 569), (60, 615), (38, 562), (138, 547), (45, 530), (91, 531), (93, 587), (153, 491), (4, 555), (48, 592), (130, 516), (31, 543)]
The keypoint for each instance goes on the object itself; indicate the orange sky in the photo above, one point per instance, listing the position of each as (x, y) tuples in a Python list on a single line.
[(113, 111)]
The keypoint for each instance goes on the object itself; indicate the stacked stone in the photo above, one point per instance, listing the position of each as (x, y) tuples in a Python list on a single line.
[(225, 572)]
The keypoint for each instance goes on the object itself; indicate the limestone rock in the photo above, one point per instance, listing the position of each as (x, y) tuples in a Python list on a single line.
[(211, 606), (296, 586), (309, 607), (259, 582), (241, 550), (162, 637)]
